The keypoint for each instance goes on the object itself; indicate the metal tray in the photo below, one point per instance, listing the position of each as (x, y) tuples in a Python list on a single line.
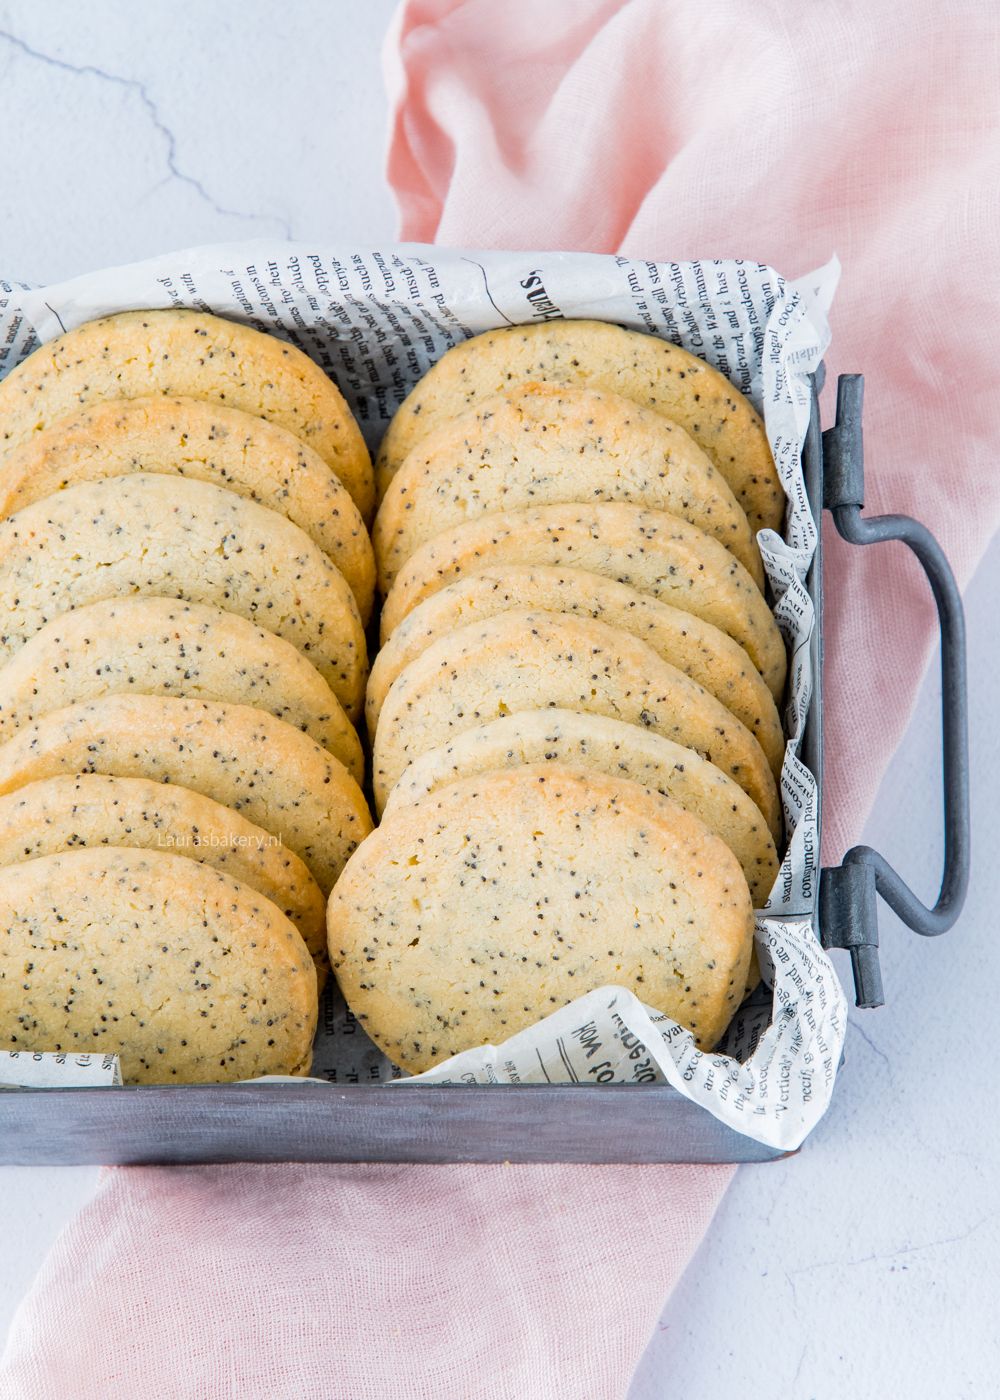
[(545, 1123)]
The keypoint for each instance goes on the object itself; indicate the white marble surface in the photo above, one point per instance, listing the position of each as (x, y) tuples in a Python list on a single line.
[(867, 1265)]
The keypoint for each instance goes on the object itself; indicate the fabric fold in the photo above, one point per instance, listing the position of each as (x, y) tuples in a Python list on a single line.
[(358, 1283)]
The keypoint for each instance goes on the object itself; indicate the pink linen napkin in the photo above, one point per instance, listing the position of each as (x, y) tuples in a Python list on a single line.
[(358, 1283), (669, 131)]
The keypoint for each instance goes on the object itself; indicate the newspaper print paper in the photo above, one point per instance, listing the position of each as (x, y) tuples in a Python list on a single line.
[(376, 319), (19, 1069)]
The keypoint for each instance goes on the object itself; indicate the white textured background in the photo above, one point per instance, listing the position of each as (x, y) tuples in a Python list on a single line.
[(865, 1267)]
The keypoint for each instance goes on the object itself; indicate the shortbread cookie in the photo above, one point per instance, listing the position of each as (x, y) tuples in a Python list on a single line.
[(160, 646), (272, 774), (595, 743), (652, 372), (187, 354), (474, 913), (186, 974), (695, 647), (179, 539), (206, 442), (537, 660), (542, 444), (89, 809), (652, 551)]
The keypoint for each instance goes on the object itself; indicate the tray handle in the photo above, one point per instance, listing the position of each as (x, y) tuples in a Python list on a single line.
[(847, 906)]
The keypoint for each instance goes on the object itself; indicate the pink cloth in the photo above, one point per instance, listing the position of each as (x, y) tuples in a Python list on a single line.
[(669, 131), (358, 1283)]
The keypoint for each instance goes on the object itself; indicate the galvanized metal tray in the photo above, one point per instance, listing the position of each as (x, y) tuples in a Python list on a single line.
[(545, 1123)]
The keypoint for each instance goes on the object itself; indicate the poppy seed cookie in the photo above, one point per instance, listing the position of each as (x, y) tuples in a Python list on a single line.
[(695, 647), (180, 539), (188, 354), (644, 368), (77, 811), (536, 660), (273, 775), (473, 913), (187, 975), (159, 646), (542, 444), (595, 743), (652, 551), (205, 442)]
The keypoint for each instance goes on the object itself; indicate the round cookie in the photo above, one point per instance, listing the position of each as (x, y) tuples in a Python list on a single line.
[(205, 442), (187, 975), (180, 539), (596, 743), (652, 551), (273, 775), (188, 354), (542, 444), (159, 646), (537, 660), (82, 810), (650, 371), (695, 647), (472, 914)]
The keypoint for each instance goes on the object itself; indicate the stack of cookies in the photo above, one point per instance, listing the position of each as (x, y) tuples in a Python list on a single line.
[(185, 579), (573, 711)]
